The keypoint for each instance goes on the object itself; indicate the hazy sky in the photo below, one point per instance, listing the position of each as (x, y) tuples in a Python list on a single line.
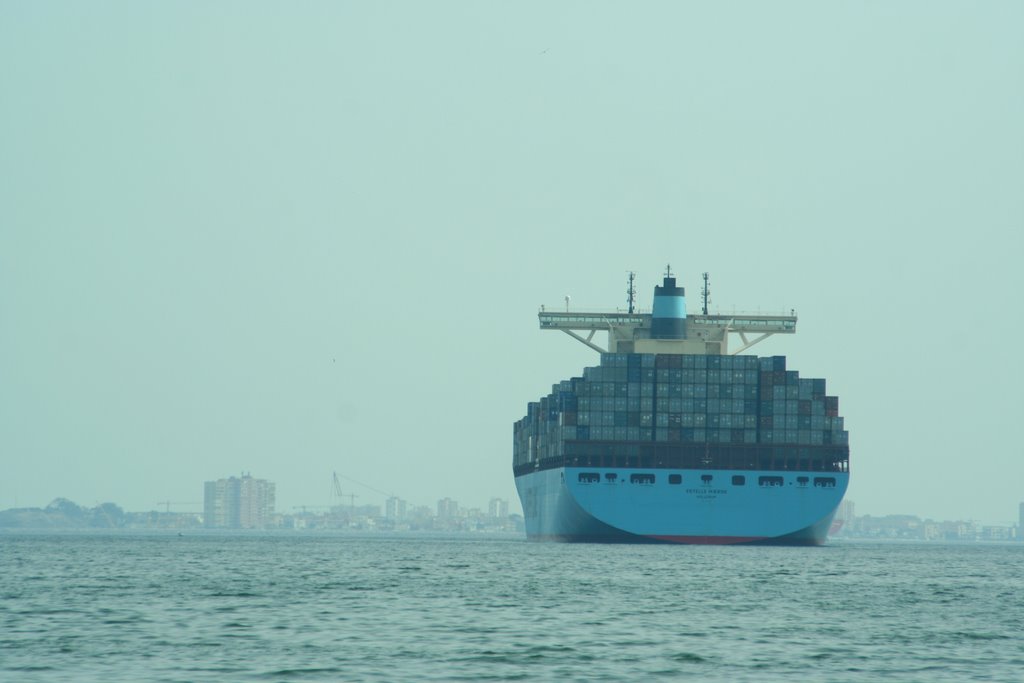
[(297, 238)]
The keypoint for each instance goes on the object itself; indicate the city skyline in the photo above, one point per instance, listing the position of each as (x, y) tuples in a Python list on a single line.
[(449, 516)]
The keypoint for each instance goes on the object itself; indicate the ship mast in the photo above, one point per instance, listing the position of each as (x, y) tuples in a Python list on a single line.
[(706, 294)]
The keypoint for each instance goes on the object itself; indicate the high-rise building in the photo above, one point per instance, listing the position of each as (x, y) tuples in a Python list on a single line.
[(1020, 522), (238, 503), (498, 508), (447, 507), (215, 505), (394, 508), (845, 511)]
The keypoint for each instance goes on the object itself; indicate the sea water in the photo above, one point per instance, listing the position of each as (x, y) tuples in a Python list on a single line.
[(306, 607)]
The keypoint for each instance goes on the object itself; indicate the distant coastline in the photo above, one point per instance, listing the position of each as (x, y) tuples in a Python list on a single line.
[(65, 515)]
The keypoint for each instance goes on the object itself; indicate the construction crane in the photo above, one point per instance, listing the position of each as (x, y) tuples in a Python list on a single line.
[(336, 491), (168, 503)]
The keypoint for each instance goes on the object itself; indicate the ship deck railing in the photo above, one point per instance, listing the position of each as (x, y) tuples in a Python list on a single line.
[(716, 313), (598, 320)]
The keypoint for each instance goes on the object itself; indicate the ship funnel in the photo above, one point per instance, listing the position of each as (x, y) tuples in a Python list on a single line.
[(668, 320)]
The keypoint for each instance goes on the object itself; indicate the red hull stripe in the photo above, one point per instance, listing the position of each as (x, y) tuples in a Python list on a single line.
[(710, 540)]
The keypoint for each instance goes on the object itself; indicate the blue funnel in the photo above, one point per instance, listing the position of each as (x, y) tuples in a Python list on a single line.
[(668, 321)]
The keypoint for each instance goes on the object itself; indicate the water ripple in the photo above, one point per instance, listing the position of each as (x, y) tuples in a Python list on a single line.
[(386, 608)]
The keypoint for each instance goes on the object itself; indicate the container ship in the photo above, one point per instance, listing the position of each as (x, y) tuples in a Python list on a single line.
[(676, 438)]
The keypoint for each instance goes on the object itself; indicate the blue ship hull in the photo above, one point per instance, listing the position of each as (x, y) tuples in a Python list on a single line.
[(601, 505)]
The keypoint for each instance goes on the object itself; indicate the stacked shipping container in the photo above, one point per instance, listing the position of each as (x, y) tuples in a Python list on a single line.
[(709, 411)]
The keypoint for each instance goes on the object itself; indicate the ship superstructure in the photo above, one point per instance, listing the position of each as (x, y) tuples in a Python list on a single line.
[(675, 437)]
